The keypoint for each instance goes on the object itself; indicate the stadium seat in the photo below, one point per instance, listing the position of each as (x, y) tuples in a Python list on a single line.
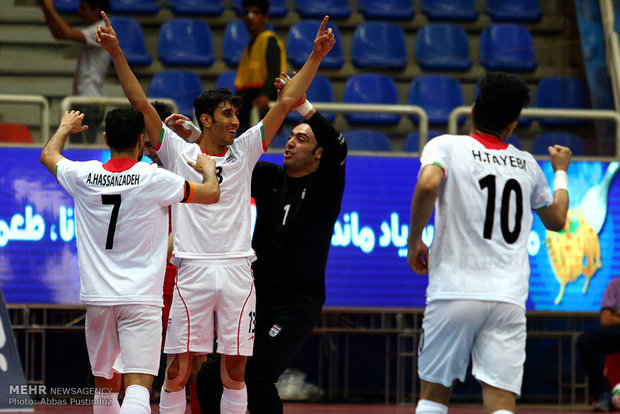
[(515, 141), (196, 7), (66, 6), (561, 93), (16, 133), (442, 46), (462, 10), (412, 141), (320, 90), (227, 80), (507, 47), (277, 8), (281, 138), (299, 44), (513, 10), (438, 95), (371, 88), (180, 85), (386, 9), (367, 140), (543, 141), (134, 6), (131, 40), (379, 45), (317, 9), (185, 42), (236, 37)]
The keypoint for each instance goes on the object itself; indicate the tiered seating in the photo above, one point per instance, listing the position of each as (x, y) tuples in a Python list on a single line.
[(386, 9), (442, 46), (507, 47), (185, 42), (572, 141), (438, 95), (412, 140), (367, 140), (131, 40), (134, 6), (15, 133), (196, 7), (300, 40), (456, 10), (66, 6), (371, 88), (561, 92), (226, 80), (513, 10), (379, 45), (320, 90), (317, 9), (277, 8), (181, 86)]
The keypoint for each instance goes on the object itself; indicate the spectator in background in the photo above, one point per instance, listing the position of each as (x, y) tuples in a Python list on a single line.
[(93, 60), (263, 59), (595, 345)]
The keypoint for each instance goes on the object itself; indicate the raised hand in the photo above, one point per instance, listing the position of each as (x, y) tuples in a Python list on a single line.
[(106, 36), (324, 40), (560, 157), (72, 120), (279, 83)]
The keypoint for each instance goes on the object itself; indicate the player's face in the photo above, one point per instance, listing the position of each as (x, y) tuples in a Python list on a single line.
[(301, 154), (150, 152), (225, 123)]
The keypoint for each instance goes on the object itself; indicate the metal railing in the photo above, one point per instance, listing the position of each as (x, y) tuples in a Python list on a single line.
[(612, 47), (36, 100), (72, 100)]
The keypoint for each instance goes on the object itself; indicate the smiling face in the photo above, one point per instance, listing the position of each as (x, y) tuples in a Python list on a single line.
[(302, 153), (222, 127)]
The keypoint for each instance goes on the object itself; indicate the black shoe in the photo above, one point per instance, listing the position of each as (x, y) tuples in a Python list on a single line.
[(603, 404)]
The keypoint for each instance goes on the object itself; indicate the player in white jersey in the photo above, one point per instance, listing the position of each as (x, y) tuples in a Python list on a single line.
[(483, 191), (213, 244), (121, 210)]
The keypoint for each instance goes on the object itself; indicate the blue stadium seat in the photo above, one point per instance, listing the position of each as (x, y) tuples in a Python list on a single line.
[(561, 93), (572, 141), (134, 6), (367, 140), (386, 9), (379, 45), (513, 10), (196, 7), (227, 80), (507, 47), (66, 6), (236, 37), (412, 141), (281, 138), (320, 90), (180, 85), (277, 8), (461, 10), (317, 9), (131, 40), (185, 42), (442, 46), (299, 44), (515, 141), (438, 95), (371, 88)]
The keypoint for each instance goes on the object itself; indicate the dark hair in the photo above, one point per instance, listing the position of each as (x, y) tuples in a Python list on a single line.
[(499, 102), (163, 109), (208, 101), (122, 128), (103, 5), (263, 5)]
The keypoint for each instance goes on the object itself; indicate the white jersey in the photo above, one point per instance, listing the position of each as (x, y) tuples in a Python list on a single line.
[(121, 212), (483, 218), (220, 230), (93, 63)]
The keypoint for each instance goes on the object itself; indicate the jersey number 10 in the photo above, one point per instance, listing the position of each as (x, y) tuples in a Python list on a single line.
[(511, 186)]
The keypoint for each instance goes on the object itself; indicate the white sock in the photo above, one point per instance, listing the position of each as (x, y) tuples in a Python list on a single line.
[(137, 400), (234, 401), (502, 412), (106, 403), (172, 402), (430, 407)]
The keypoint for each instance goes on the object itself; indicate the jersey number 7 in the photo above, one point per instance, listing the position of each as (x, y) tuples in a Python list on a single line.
[(115, 200)]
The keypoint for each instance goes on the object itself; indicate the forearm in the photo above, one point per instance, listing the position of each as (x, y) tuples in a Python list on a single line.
[(207, 192), (422, 205), (295, 89), (130, 84), (52, 151)]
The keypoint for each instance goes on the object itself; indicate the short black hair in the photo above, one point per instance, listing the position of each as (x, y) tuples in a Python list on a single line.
[(501, 97), (103, 5), (263, 5), (163, 109), (123, 126), (208, 101)]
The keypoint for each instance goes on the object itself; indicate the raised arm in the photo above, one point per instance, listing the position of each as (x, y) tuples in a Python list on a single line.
[(106, 37), (58, 26), (71, 123), (554, 216), (207, 192)]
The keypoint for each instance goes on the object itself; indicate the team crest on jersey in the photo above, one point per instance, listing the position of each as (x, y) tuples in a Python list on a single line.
[(275, 329), (231, 159)]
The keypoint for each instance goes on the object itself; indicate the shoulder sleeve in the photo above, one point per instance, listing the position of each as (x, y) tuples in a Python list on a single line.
[(541, 193), (252, 143), (170, 188), (89, 33), (169, 146), (333, 142), (438, 152), (261, 177), (66, 174)]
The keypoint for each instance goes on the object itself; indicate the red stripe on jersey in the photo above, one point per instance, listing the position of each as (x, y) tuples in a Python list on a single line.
[(214, 155), (489, 141), (119, 164), (243, 311), (157, 146)]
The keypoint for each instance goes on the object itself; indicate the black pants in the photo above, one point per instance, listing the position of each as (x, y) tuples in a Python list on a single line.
[(593, 347), (280, 333)]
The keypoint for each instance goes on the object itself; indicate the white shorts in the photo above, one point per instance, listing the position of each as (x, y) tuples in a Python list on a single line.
[(127, 334), (225, 287), (492, 332)]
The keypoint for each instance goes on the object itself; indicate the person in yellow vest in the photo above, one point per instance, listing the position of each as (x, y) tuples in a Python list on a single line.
[(263, 59)]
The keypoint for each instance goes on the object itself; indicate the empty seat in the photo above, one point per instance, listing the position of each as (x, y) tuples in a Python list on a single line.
[(442, 46), (185, 42), (196, 7), (367, 140), (507, 47), (134, 6), (280, 138), (379, 45), (513, 10), (236, 37), (131, 40), (412, 141), (438, 95), (386, 9), (464, 10), (561, 93), (320, 90), (371, 88), (227, 80), (277, 8), (66, 6), (300, 41), (543, 141), (515, 141), (180, 85), (317, 9), (16, 133)]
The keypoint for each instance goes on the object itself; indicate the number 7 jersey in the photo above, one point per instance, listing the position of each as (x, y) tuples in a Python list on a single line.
[(483, 218)]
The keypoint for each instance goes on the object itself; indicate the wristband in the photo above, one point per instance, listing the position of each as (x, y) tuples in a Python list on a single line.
[(560, 181), (305, 108), (194, 131)]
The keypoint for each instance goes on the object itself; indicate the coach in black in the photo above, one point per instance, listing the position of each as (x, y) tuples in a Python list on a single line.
[(297, 206)]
